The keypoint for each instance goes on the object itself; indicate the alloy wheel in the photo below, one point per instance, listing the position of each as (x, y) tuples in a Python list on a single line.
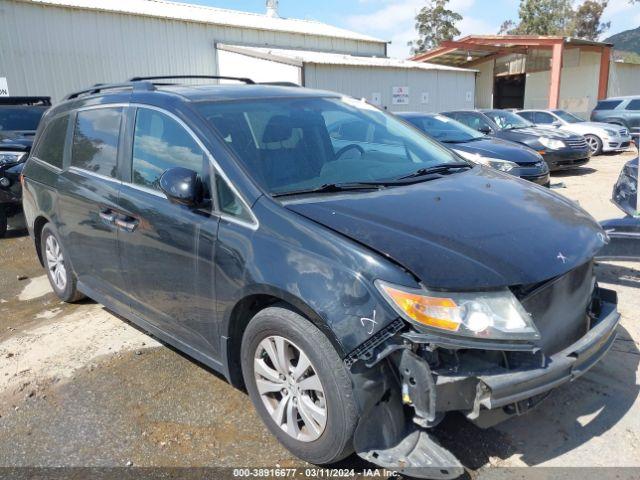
[(593, 144), (55, 262), (290, 388)]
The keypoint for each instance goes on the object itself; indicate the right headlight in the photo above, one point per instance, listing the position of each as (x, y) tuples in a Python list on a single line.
[(552, 143), (496, 315), (498, 164), (7, 158)]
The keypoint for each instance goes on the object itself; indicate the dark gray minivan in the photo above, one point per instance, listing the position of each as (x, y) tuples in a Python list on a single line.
[(358, 289)]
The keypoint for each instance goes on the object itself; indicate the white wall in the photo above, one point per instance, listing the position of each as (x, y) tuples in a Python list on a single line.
[(445, 89), (578, 84), (624, 79), (237, 65), (47, 50), (484, 84)]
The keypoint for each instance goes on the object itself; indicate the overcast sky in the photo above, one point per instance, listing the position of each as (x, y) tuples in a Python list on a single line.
[(394, 19)]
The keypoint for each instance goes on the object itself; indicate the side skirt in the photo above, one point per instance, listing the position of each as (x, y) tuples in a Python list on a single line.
[(124, 311)]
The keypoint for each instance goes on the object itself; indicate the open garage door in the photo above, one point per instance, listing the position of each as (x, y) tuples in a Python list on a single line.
[(236, 61)]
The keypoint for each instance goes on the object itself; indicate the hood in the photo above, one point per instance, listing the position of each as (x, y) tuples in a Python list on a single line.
[(500, 149), (604, 126), (16, 140), (556, 133), (478, 229)]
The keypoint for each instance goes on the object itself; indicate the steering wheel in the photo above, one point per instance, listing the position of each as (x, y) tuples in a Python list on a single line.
[(343, 150)]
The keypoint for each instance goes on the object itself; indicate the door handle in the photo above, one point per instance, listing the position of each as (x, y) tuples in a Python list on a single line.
[(107, 215), (128, 224)]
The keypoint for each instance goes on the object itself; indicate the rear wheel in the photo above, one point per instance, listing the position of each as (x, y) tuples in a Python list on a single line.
[(299, 385), (61, 276), (595, 144)]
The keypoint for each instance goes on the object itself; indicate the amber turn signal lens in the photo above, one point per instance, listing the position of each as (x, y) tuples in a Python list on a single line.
[(432, 311)]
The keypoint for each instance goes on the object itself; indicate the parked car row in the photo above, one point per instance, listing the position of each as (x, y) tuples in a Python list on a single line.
[(358, 278), (19, 118)]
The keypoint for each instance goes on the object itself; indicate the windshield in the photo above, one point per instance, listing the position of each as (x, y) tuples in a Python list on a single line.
[(507, 120), (568, 117), (20, 118), (294, 144), (445, 129)]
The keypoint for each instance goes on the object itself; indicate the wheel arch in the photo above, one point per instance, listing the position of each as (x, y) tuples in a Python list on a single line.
[(38, 225), (247, 306)]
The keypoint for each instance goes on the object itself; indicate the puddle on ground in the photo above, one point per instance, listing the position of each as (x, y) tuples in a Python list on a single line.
[(37, 287)]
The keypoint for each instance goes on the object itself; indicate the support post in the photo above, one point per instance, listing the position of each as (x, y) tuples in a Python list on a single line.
[(603, 82), (556, 74)]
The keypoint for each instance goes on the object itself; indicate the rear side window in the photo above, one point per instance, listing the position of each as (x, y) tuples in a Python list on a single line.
[(50, 148), (608, 104), (474, 121), (95, 140), (527, 116), (160, 143), (543, 118), (634, 105)]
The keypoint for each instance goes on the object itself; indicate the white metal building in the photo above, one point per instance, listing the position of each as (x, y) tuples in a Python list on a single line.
[(53, 47)]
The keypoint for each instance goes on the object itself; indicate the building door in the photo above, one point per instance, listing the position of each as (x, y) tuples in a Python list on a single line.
[(509, 91)]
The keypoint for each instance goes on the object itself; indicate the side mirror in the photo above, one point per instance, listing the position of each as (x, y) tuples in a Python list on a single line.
[(181, 186), (484, 129)]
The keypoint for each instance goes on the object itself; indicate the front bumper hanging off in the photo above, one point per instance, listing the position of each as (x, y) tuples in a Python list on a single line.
[(401, 395)]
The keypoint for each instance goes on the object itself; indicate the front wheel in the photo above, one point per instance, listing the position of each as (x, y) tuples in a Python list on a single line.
[(299, 385), (595, 144)]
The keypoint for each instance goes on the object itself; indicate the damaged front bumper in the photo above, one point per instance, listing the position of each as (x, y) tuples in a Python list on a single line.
[(405, 384)]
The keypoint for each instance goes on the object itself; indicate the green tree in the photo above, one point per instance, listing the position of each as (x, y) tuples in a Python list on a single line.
[(587, 21), (544, 17), (434, 23), (557, 17)]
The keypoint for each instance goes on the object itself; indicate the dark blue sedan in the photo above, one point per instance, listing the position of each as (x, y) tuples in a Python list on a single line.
[(500, 154)]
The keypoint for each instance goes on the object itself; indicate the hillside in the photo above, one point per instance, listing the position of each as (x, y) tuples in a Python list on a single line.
[(627, 41)]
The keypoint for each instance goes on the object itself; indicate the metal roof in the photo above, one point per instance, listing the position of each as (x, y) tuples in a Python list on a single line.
[(209, 15), (473, 49), (300, 57)]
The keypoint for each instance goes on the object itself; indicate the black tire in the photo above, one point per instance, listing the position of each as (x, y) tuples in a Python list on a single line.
[(69, 293), (336, 441), (596, 149), (3, 224)]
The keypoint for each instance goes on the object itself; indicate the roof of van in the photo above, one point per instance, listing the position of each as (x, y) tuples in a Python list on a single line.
[(226, 92)]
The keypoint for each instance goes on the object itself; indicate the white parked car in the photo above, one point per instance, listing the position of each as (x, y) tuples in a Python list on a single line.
[(601, 137)]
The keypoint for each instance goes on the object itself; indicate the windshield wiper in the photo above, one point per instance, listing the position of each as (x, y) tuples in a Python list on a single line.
[(444, 168), (333, 188)]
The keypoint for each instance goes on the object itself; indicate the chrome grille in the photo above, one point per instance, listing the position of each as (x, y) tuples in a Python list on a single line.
[(624, 132), (576, 143)]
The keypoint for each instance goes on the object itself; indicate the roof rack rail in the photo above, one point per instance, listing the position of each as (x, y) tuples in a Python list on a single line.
[(281, 84), (31, 101), (248, 81), (100, 87)]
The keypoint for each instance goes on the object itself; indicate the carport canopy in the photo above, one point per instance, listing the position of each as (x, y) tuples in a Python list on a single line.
[(472, 50)]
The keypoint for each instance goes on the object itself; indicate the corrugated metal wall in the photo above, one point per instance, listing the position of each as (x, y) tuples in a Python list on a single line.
[(443, 90), (47, 50), (624, 79)]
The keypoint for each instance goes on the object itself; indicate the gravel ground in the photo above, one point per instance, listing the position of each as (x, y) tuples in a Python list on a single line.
[(82, 387)]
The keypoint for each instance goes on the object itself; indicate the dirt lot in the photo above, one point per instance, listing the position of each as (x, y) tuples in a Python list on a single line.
[(82, 387)]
